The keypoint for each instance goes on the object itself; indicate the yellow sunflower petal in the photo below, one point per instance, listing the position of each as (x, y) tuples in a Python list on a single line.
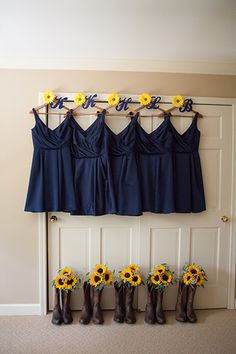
[(160, 269), (193, 269), (59, 282), (100, 269), (113, 99), (145, 99), (95, 279), (79, 99), (126, 274), (65, 271), (133, 267), (48, 96), (156, 278), (178, 101), (187, 278), (136, 280), (107, 277)]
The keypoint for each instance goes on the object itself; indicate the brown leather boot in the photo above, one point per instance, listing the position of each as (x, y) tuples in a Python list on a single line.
[(119, 313), (129, 311), (180, 308), (161, 318), (87, 310), (191, 316), (97, 310), (66, 311), (150, 310), (57, 314)]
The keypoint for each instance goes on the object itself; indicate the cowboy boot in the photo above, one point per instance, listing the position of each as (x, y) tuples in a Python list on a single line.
[(191, 316), (129, 311), (150, 310), (180, 308), (66, 311), (87, 306), (97, 311), (119, 313), (57, 314), (161, 319)]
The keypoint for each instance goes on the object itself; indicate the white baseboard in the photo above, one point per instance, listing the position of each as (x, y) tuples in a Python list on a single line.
[(19, 309)]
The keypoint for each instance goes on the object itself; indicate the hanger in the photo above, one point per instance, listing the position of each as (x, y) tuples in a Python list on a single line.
[(178, 102), (142, 98), (46, 104)]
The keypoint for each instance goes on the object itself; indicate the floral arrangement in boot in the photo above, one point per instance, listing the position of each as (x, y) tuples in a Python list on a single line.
[(158, 280), (98, 278), (193, 276), (129, 279), (65, 282)]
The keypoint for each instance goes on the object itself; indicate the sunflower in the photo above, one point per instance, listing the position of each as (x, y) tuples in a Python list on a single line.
[(133, 267), (194, 269), (70, 282), (165, 277), (187, 278), (145, 99), (48, 96), (95, 279), (160, 269), (107, 277), (178, 101), (59, 282), (64, 272), (126, 274), (199, 279), (79, 99), (113, 99), (156, 279), (100, 269), (136, 280)]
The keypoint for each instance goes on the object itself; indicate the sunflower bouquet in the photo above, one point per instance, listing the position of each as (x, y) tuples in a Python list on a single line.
[(129, 276), (161, 277), (193, 275), (100, 276), (66, 280)]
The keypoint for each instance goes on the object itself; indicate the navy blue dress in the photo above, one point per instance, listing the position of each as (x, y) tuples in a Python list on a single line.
[(124, 169), (92, 174), (51, 179), (188, 182), (155, 163)]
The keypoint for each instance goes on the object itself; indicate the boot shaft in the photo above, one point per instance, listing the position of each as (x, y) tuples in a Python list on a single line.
[(97, 294), (129, 295)]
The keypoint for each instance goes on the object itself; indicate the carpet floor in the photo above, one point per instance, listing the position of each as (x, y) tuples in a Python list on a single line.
[(214, 333)]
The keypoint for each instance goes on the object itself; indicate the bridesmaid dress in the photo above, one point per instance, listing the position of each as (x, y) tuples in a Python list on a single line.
[(155, 163), (92, 175), (124, 169), (51, 179), (188, 182)]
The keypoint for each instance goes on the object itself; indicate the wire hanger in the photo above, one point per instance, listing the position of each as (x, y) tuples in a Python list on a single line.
[(178, 102)]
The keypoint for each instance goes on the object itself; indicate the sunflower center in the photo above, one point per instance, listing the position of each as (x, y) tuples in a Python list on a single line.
[(135, 278), (156, 277), (106, 277), (164, 277), (70, 281), (193, 271), (188, 278), (100, 270), (96, 278), (127, 275), (60, 282)]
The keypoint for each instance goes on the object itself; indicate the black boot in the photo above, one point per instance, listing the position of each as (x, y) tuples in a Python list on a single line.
[(191, 316), (97, 310), (150, 311), (161, 319), (57, 314), (66, 311), (86, 313), (119, 313), (129, 311), (180, 308)]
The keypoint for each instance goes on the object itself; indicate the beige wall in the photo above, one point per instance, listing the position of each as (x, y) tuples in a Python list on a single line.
[(18, 93)]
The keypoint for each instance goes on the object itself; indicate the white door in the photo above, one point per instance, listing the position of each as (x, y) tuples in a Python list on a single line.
[(82, 242)]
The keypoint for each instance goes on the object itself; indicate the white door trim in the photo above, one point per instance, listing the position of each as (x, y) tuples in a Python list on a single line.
[(42, 220)]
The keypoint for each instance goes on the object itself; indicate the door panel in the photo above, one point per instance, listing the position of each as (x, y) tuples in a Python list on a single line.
[(82, 242)]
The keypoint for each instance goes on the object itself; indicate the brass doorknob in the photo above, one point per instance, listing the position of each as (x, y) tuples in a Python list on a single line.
[(224, 218), (53, 218)]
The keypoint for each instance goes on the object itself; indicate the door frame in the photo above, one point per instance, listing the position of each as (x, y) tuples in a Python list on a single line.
[(43, 217)]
